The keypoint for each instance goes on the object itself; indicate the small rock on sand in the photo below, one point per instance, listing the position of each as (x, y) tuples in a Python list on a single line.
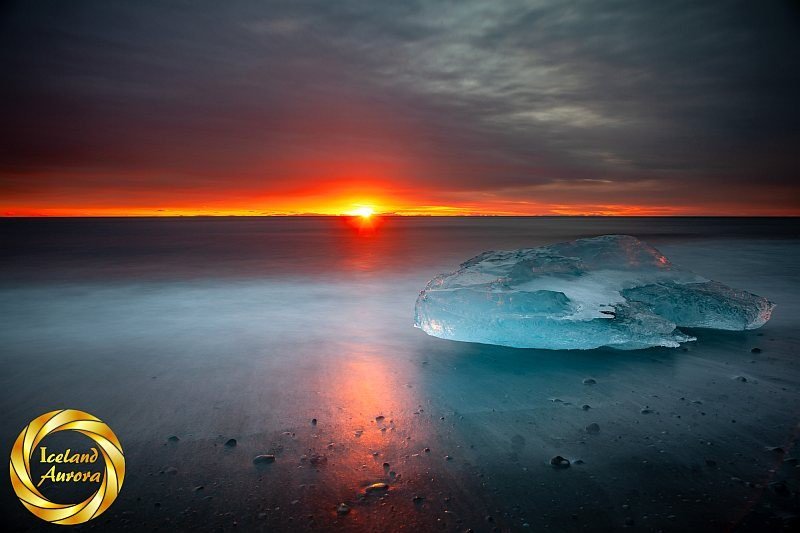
[(780, 488), (376, 487), (318, 459), (171, 470), (342, 508), (559, 462), (313, 421), (741, 378), (586, 407), (173, 438), (593, 428), (589, 381), (755, 350), (263, 459), (230, 443)]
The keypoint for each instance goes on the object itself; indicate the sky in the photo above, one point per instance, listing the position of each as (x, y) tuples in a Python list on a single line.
[(511, 107)]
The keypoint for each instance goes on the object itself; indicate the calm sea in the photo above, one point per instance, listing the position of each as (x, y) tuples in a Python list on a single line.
[(106, 250), (247, 328)]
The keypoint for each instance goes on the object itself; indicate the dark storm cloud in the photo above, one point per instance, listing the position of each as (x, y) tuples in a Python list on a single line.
[(634, 99)]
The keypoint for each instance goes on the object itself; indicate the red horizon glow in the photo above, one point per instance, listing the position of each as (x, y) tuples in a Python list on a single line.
[(344, 208), (130, 194)]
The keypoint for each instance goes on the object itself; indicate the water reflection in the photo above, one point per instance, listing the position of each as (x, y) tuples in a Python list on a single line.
[(362, 246), (369, 435)]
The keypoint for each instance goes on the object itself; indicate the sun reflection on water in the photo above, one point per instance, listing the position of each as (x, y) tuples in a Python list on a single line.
[(376, 434)]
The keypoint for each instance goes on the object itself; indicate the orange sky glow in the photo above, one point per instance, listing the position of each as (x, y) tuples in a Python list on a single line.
[(335, 202), (339, 195)]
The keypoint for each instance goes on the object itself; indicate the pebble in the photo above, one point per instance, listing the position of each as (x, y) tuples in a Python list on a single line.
[(780, 488), (318, 459), (589, 381), (171, 470), (313, 421), (646, 411), (755, 350), (173, 438), (741, 378), (448, 458), (417, 499), (593, 428), (559, 462), (342, 508), (586, 407), (379, 418), (263, 459), (376, 487), (230, 443)]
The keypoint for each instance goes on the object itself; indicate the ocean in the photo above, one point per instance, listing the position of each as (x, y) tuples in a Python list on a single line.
[(210, 329)]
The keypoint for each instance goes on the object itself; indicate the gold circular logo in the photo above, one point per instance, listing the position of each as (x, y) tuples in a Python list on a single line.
[(67, 420)]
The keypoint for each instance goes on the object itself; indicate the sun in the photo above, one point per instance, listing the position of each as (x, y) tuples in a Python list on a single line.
[(363, 212)]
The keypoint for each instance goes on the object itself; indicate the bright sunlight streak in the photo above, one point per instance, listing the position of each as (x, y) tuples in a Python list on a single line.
[(364, 212)]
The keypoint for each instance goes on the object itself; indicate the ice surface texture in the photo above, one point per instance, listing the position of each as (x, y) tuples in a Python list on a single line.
[(612, 290)]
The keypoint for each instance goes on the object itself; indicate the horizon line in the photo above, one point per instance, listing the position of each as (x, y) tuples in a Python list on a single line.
[(398, 215)]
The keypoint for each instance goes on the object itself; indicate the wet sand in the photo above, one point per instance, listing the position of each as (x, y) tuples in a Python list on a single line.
[(687, 437)]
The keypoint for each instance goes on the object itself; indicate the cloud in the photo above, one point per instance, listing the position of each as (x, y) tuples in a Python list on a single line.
[(452, 98)]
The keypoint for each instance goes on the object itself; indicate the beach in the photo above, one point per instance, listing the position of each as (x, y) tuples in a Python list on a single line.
[(294, 336)]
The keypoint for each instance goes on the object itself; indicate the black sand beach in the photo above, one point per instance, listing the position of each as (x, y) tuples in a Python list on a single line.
[(294, 337)]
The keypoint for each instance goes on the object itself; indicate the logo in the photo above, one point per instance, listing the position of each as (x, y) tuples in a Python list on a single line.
[(67, 466)]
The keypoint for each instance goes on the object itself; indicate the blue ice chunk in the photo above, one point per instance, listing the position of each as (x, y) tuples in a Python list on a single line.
[(704, 305), (612, 290)]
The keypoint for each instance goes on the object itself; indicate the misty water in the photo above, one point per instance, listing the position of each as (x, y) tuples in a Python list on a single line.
[(212, 329)]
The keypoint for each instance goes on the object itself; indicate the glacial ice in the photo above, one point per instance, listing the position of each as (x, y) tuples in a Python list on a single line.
[(612, 290)]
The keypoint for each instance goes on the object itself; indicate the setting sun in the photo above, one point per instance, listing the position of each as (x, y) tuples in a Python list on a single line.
[(364, 212)]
